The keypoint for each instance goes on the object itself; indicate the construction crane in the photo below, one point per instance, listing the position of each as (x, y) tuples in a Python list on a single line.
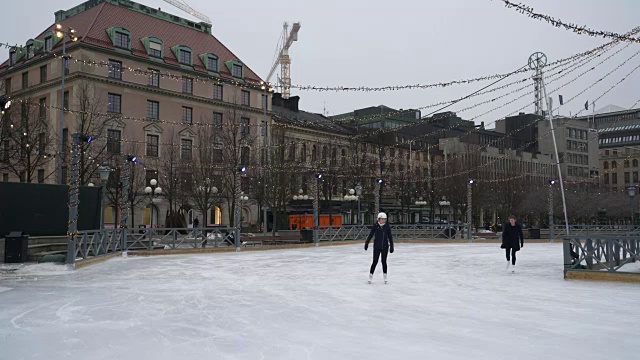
[(283, 58), (182, 5)]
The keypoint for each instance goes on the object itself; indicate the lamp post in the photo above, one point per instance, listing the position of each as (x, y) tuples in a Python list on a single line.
[(267, 88), (442, 203), (239, 196), (104, 170), (316, 199), (470, 183), (153, 190), (300, 197), (420, 202), (379, 183), (551, 234), (71, 33), (632, 196), (351, 197), (358, 194)]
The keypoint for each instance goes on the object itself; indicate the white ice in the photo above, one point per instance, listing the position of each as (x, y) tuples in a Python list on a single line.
[(442, 302)]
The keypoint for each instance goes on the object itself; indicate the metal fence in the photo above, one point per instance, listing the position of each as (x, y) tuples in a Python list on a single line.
[(600, 253), (400, 232)]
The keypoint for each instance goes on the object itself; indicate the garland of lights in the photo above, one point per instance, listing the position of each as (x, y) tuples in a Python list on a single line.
[(580, 30)]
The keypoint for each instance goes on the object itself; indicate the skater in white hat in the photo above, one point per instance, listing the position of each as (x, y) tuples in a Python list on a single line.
[(382, 244)]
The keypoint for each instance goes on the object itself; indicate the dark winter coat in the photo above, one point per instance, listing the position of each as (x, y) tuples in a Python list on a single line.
[(383, 238), (512, 236)]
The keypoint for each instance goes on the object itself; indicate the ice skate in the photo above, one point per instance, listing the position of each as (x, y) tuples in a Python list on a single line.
[(385, 278), (513, 269), (370, 278)]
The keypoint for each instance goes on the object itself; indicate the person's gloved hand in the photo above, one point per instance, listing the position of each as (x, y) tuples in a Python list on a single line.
[(391, 250), (366, 246)]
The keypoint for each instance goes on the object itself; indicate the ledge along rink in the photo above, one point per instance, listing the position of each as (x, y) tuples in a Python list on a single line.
[(453, 301)]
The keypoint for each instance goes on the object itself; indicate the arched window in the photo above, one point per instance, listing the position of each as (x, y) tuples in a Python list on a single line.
[(314, 154), (334, 156), (614, 165), (635, 162), (303, 153), (324, 155), (343, 157), (292, 152), (605, 165), (626, 163)]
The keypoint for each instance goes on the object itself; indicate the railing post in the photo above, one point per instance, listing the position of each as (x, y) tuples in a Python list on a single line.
[(566, 250), (174, 238), (150, 236), (610, 251)]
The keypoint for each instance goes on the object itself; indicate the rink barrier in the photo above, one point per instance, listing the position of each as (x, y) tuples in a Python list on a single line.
[(602, 254), (399, 231)]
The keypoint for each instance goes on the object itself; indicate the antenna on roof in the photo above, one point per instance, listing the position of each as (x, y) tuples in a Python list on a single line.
[(182, 5)]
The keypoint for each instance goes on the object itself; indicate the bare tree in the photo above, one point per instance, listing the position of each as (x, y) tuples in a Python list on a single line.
[(176, 174), (204, 173), (137, 182)]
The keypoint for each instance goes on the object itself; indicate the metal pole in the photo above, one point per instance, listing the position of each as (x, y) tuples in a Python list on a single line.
[(555, 147), (316, 219), (469, 215), (264, 185), (237, 230), (61, 152), (104, 193), (74, 190), (551, 234), (377, 196)]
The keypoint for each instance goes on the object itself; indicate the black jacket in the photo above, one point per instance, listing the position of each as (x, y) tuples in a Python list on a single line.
[(383, 238), (512, 236)]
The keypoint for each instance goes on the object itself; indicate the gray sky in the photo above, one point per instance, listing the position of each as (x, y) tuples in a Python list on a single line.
[(381, 42)]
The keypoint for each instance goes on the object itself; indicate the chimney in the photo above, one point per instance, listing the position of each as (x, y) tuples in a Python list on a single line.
[(290, 103)]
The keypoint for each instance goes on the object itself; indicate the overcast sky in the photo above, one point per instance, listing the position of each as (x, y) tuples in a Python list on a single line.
[(381, 42)]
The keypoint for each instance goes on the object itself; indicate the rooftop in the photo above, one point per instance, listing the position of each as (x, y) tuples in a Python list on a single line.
[(92, 19)]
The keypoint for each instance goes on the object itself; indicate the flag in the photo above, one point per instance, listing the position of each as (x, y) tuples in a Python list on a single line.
[(586, 105), (561, 99)]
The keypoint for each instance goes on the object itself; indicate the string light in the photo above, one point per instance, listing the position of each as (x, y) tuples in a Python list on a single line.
[(580, 30)]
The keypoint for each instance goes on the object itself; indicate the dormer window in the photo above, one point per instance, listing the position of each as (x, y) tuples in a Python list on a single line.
[(29, 51), (121, 40), (155, 49), (48, 43), (211, 62), (13, 57), (236, 70), (185, 57), (120, 37)]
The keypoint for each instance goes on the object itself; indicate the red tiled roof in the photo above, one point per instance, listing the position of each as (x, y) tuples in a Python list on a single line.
[(91, 26)]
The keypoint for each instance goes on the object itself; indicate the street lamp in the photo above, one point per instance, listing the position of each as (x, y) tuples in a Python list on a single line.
[(632, 196), (442, 203), (470, 183), (359, 193), (420, 202), (104, 170), (316, 199), (552, 183), (153, 191), (351, 197), (71, 34)]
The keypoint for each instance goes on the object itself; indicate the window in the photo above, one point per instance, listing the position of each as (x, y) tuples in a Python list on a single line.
[(113, 141), (23, 176), (635, 177), (13, 57), (187, 115), (185, 57), (48, 43), (217, 155), (244, 156), (43, 108), (150, 175), (264, 101), (212, 64), (121, 40), (217, 92), (606, 153), (187, 85), (236, 70), (217, 120), (292, 151), (42, 142), (246, 96), (155, 49), (7, 86), (65, 171), (25, 80), (334, 156), (627, 179), (153, 109), (65, 138), (343, 157), (40, 176), (152, 145), (635, 162), (303, 153), (65, 101), (5, 177), (614, 178), (185, 146), (606, 179), (154, 78), (114, 103), (614, 165), (115, 69), (43, 73), (244, 126), (314, 154)]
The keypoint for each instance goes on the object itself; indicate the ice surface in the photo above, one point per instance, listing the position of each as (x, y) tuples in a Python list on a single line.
[(442, 302)]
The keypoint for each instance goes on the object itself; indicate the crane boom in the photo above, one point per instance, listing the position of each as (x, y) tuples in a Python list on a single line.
[(283, 58), (188, 9)]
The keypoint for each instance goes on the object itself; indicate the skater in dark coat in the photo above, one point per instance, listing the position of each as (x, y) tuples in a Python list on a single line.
[(512, 241), (382, 244)]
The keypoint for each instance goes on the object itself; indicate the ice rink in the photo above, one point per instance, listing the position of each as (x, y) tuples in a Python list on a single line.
[(442, 302)]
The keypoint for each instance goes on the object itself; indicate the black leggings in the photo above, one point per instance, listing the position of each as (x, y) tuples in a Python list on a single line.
[(513, 255), (376, 256)]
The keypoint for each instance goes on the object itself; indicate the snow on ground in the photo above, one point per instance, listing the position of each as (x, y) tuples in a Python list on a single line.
[(451, 301)]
